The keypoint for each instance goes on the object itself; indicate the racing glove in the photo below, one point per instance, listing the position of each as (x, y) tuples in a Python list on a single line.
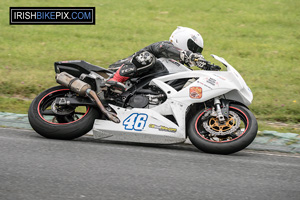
[(192, 59), (196, 59)]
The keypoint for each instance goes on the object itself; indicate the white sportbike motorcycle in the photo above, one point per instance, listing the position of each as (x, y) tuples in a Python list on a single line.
[(168, 106)]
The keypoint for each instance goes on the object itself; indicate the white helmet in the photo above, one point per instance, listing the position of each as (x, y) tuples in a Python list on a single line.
[(187, 39)]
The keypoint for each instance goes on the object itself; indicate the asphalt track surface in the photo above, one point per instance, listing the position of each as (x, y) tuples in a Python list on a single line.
[(35, 168)]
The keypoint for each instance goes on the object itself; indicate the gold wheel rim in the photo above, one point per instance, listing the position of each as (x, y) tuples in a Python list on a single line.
[(215, 125)]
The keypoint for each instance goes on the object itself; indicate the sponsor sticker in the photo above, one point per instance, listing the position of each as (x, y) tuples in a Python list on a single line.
[(196, 92), (162, 128)]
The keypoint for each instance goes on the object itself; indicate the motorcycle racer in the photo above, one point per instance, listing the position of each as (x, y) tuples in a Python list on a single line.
[(167, 104), (184, 45)]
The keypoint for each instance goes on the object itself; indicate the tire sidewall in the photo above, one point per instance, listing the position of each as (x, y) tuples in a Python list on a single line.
[(225, 147)]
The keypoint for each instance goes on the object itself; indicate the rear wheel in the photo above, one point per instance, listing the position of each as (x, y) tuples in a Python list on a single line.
[(211, 136), (60, 122)]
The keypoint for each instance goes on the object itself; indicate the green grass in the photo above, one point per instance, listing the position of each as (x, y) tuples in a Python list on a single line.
[(14, 105), (280, 127), (260, 38)]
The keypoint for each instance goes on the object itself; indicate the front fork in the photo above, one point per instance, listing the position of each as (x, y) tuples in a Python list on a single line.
[(220, 112)]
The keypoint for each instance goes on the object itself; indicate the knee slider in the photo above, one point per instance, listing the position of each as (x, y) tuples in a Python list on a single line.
[(144, 60)]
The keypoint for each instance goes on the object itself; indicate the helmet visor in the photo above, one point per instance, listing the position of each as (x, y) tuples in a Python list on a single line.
[(192, 46)]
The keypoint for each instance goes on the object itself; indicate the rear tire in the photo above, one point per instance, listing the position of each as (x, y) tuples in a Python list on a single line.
[(64, 127), (225, 144)]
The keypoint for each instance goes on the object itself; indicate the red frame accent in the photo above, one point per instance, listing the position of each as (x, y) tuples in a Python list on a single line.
[(38, 108), (222, 141)]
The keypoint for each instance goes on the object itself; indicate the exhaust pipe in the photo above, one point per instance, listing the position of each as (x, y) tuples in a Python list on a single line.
[(75, 84), (84, 89), (112, 116)]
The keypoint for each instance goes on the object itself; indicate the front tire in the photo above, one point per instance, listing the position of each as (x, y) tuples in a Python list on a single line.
[(76, 122), (236, 134)]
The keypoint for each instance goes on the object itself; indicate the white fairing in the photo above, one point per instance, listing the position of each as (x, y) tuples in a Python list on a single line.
[(243, 94), (151, 125)]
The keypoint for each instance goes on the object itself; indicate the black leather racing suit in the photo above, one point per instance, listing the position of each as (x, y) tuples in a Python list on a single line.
[(159, 49)]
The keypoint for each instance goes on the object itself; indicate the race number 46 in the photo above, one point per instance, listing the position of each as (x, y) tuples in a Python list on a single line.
[(135, 122)]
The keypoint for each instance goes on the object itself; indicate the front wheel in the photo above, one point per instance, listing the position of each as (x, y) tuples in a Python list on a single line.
[(60, 122), (238, 131)]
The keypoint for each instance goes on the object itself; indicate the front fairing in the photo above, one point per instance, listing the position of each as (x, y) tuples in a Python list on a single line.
[(212, 83), (238, 79)]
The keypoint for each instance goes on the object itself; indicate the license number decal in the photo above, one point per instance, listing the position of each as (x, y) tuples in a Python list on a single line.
[(135, 121)]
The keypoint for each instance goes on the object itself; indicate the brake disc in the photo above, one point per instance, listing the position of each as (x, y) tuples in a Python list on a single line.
[(214, 127)]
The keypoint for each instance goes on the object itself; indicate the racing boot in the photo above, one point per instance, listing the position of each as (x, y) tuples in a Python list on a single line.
[(116, 82), (140, 63)]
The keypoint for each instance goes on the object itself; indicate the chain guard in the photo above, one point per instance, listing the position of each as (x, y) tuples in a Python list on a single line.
[(213, 126)]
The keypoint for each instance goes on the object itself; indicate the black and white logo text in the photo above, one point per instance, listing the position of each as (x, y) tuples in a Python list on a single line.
[(52, 15)]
